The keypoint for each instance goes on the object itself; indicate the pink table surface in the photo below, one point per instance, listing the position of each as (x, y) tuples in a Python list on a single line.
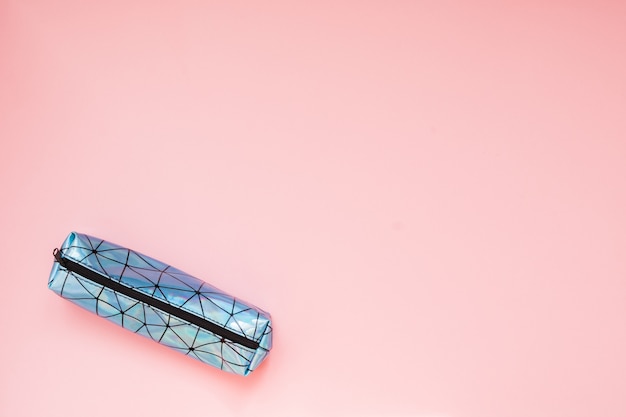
[(429, 197)]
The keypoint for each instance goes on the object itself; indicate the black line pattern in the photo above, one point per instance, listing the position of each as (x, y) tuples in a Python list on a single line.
[(172, 286)]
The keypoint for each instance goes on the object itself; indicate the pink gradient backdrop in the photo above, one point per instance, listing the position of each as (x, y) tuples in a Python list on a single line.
[(435, 190)]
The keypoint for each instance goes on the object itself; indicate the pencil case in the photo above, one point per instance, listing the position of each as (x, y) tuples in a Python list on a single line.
[(163, 303)]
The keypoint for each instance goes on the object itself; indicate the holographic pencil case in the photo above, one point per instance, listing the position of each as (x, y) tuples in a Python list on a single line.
[(162, 303)]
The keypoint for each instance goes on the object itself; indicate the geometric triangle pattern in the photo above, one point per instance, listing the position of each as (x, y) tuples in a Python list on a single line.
[(172, 286)]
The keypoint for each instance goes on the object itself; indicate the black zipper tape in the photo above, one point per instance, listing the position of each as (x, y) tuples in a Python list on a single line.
[(153, 302)]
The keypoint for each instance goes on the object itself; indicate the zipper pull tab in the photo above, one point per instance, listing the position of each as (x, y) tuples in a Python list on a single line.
[(57, 256)]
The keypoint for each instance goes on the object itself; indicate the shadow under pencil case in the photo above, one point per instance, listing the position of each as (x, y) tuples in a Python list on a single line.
[(162, 303)]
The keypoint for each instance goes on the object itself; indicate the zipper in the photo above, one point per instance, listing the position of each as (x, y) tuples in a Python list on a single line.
[(177, 312)]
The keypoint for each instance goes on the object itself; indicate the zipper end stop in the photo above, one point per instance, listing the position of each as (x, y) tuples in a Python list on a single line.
[(57, 256)]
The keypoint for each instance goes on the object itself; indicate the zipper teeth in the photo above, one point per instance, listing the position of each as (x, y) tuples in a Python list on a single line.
[(201, 322)]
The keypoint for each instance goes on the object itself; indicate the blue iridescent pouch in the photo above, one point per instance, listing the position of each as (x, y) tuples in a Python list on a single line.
[(161, 302)]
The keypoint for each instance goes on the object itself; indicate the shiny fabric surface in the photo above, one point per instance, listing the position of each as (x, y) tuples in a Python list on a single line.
[(172, 286)]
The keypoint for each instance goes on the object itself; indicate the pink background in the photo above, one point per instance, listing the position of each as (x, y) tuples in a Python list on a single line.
[(429, 197)]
